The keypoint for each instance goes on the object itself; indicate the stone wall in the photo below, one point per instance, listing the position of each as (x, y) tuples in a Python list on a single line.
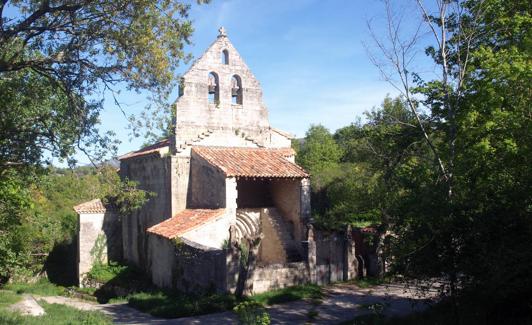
[(154, 174), (286, 197), (206, 189), (186, 266), (99, 240), (192, 267), (330, 255), (231, 195), (180, 180), (193, 109), (162, 260), (271, 250), (212, 234), (275, 276), (254, 193)]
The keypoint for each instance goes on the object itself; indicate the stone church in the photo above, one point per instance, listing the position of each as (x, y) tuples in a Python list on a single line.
[(225, 178)]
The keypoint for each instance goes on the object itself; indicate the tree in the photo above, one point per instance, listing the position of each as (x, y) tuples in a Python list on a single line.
[(361, 186), (58, 60), (378, 153), (319, 153), (56, 57), (36, 218), (463, 219)]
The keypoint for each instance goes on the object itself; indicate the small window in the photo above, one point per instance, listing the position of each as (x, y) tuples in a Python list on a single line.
[(214, 88), (236, 90), (181, 86), (225, 57)]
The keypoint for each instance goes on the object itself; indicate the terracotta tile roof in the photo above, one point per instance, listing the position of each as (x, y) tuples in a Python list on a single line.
[(93, 206), (252, 162), (184, 221), (151, 149)]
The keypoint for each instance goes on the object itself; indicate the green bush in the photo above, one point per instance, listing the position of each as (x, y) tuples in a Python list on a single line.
[(104, 273), (252, 313)]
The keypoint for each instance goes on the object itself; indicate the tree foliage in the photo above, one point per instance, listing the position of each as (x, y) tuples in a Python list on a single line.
[(319, 154), (359, 184), (446, 167), (57, 58), (58, 61), (467, 226), (35, 218)]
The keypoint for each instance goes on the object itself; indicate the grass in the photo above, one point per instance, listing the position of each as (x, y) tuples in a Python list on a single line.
[(104, 273), (56, 315), (8, 298), (126, 284), (117, 281), (362, 224), (307, 291), (43, 287), (365, 283), (173, 305)]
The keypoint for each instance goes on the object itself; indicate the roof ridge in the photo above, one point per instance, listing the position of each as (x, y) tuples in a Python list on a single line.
[(90, 207), (184, 221), (251, 162), (149, 149)]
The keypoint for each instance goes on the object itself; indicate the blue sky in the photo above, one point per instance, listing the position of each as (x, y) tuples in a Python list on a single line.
[(308, 55)]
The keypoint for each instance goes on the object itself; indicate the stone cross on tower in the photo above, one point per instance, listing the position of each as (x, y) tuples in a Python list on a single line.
[(222, 32)]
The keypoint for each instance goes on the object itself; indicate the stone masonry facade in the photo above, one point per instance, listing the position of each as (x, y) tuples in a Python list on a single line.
[(225, 182)]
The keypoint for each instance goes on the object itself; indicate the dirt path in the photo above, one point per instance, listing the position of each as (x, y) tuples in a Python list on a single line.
[(342, 302)]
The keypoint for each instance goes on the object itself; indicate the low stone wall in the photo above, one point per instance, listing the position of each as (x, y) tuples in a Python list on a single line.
[(191, 267), (200, 268), (276, 276), (330, 257), (186, 266)]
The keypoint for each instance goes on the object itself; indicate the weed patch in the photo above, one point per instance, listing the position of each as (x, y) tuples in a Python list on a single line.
[(43, 287), (56, 315), (307, 291), (103, 273), (173, 305), (8, 298), (252, 313)]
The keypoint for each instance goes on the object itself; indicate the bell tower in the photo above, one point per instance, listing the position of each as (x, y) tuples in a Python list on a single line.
[(220, 94)]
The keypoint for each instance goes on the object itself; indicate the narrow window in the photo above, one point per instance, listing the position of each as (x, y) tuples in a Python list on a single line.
[(181, 87), (225, 57), (214, 88), (236, 90)]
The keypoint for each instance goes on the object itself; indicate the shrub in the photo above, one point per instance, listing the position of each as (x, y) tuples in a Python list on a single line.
[(252, 313), (103, 273)]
